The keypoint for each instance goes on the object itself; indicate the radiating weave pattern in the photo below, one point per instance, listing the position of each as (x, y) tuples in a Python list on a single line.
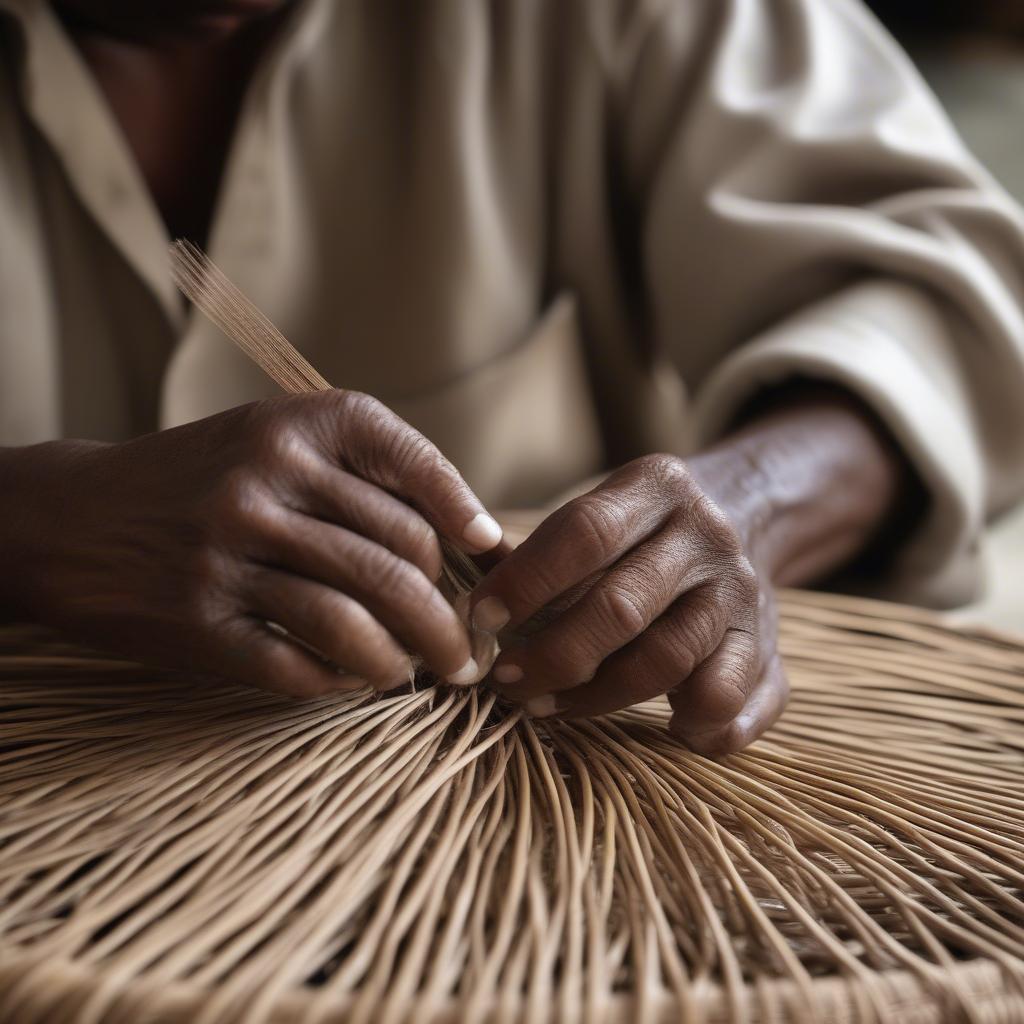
[(183, 854)]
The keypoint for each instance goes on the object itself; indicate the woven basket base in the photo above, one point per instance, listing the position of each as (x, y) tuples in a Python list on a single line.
[(184, 855)]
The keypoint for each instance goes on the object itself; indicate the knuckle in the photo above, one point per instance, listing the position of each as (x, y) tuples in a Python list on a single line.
[(240, 506), (359, 405), (663, 466), (623, 611), (411, 454), (737, 586), (398, 447), (276, 440), (236, 494), (719, 704), (598, 524), (279, 435), (667, 472), (404, 585), (381, 568), (673, 658), (698, 630), (719, 528), (423, 548)]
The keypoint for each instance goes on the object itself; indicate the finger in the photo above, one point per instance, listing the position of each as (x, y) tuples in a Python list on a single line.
[(335, 625), (381, 447), (763, 708), (395, 592), (653, 664), (583, 537), (615, 610), (250, 653), (718, 688), (489, 559), (338, 497)]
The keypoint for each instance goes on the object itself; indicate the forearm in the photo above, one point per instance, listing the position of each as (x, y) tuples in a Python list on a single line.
[(811, 482)]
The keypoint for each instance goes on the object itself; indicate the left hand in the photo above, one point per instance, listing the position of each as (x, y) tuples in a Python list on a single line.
[(649, 590)]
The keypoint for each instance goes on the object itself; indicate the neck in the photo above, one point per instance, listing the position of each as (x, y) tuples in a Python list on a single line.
[(166, 24), (175, 90)]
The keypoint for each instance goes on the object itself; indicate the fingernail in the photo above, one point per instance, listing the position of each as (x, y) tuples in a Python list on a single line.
[(490, 615), (508, 674), (542, 707), (468, 674), (483, 532)]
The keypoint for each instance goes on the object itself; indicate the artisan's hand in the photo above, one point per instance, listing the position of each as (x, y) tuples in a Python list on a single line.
[(660, 580), (320, 513), (671, 605)]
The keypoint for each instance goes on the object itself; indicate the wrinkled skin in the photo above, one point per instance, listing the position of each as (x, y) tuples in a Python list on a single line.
[(319, 512), (661, 579), (670, 604), (322, 513)]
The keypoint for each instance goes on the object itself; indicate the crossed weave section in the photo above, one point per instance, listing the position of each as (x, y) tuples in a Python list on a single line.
[(174, 853)]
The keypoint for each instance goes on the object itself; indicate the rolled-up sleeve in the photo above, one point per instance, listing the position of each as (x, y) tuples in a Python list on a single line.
[(806, 210)]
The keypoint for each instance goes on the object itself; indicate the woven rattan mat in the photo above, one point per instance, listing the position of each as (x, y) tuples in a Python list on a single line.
[(169, 853)]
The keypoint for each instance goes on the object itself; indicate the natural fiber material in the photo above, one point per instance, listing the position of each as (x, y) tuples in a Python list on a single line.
[(170, 852), (203, 284)]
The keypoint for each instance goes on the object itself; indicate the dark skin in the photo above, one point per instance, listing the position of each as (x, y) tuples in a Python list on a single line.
[(319, 512), (324, 512), (678, 561)]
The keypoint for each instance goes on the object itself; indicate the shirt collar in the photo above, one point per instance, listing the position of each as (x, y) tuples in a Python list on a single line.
[(67, 106)]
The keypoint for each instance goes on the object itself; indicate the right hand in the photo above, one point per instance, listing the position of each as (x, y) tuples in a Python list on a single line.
[(320, 513)]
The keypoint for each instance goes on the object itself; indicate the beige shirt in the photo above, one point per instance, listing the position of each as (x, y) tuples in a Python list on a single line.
[(552, 234)]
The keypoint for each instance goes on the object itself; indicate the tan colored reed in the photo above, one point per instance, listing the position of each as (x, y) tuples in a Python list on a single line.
[(203, 284), (178, 853)]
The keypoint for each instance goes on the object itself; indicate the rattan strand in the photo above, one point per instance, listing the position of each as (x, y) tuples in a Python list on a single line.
[(181, 854)]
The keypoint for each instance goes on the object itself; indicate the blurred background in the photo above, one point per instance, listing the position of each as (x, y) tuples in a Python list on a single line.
[(972, 54)]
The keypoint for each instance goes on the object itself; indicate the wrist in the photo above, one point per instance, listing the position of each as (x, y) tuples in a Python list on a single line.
[(811, 482), (735, 477)]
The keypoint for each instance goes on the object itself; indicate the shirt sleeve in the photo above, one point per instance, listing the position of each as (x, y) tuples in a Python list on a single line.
[(805, 209)]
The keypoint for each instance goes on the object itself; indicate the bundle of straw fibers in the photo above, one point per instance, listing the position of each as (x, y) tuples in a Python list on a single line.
[(177, 854)]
